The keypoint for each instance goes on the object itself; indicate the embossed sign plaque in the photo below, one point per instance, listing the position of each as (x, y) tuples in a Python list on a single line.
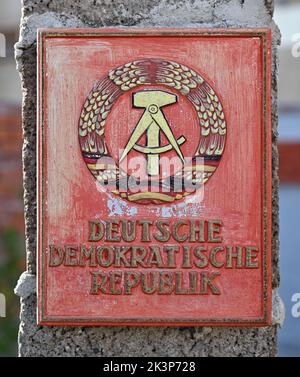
[(154, 177)]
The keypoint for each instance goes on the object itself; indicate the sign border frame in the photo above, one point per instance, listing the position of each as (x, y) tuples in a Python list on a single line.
[(266, 42)]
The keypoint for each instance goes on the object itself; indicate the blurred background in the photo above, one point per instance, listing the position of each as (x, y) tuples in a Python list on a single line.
[(287, 17), (12, 249)]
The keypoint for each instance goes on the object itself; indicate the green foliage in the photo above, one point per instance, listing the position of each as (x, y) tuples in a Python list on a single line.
[(11, 266)]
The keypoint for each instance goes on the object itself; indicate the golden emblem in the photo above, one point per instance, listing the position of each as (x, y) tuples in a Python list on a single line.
[(153, 122), (144, 73)]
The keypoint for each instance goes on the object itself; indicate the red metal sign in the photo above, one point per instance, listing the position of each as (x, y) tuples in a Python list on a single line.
[(154, 174)]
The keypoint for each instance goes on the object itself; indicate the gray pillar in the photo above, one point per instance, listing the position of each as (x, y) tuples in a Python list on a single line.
[(124, 341)]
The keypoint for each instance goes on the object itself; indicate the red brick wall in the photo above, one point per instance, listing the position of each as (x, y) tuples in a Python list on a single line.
[(11, 192), (289, 163)]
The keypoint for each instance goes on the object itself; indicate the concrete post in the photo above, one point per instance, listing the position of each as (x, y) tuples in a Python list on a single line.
[(123, 341)]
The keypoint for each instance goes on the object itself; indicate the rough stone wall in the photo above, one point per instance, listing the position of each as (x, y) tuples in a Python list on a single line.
[(125, 341)]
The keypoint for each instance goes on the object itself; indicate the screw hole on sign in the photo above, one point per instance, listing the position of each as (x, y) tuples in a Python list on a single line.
[(157, 86)]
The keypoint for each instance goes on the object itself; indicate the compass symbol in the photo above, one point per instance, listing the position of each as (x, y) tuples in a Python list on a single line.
[(153, 122)]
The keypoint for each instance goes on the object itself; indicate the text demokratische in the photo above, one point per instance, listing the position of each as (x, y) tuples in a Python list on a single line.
[(182, 257)]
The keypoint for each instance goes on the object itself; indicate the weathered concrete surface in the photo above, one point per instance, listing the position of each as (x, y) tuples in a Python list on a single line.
[(124, 341)]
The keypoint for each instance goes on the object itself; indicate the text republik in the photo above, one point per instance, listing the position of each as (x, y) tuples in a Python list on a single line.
[(189, 265)]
